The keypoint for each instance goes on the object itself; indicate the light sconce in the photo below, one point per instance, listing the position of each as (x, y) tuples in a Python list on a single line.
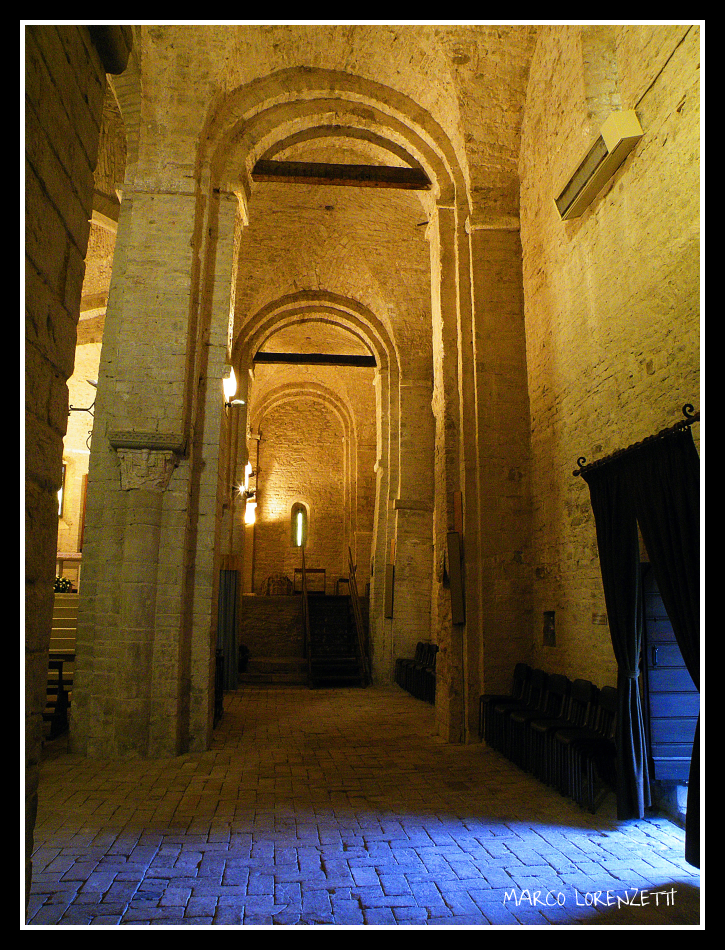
[(229, 386), (244, 490), (619, 135), (89, 409), (250, 512)]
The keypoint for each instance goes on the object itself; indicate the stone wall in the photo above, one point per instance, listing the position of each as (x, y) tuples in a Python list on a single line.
[(272, 627), (611, 297), (65, 86), (301, 459)]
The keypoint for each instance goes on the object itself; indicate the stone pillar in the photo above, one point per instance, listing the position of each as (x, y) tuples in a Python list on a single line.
[(503, 432), (450, 720), (207, 457), (386, 469), (62, 126), (412, 511), (160, 389), (145, 474)]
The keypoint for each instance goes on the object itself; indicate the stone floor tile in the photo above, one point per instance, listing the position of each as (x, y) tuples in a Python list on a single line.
[(337, 808)]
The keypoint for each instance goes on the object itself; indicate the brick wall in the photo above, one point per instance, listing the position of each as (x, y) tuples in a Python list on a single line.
[(64, 92), (301, 458), (272, 626), (611, 301)]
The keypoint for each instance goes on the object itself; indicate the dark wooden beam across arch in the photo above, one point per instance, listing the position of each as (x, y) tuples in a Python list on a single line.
[(316, 359), (323, 173)]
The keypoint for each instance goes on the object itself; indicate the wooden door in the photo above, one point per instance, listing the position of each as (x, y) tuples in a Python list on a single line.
[(672, 700)]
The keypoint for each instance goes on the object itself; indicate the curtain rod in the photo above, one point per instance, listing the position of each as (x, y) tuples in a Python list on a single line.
[(690, 417)]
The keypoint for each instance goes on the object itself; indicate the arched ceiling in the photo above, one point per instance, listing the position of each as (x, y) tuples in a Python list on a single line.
[(314, 335)]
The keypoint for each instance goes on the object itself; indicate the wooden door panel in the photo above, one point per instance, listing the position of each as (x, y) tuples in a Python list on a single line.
[(672, 701)]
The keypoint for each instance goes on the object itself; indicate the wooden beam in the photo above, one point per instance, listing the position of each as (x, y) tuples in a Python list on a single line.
[(317, 359), (360, 176)]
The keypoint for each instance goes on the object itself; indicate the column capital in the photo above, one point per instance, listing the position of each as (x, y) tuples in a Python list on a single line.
[(148, 469), (482, 221), (147, 458)]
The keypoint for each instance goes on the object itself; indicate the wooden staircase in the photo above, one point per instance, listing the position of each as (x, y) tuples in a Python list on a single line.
[(334, 657), (275, 671), (61, 659)]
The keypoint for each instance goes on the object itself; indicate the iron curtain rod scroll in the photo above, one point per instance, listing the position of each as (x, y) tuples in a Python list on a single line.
[(690, 416)]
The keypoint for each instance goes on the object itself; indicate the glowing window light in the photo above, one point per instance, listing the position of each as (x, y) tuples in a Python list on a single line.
[(298, 525), (61, 492)]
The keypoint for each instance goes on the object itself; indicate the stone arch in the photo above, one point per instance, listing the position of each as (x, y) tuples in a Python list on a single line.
[(358, 320), (254, 118), (366, 327), (344, 311), (280, 485), (291, 105)]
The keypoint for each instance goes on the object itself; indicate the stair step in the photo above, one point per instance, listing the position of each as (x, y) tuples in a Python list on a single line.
[(275, 670), (62, 644)]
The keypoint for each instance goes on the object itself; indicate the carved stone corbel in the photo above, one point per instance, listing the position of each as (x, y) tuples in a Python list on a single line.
[(149, 469)]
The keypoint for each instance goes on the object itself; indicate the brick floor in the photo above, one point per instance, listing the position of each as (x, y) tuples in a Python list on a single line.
[(340, 808)]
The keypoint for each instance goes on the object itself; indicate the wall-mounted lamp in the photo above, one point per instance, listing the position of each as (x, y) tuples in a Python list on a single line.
[(244, 490), (250, 512), (229, 386), (619, 135), (89, 409)]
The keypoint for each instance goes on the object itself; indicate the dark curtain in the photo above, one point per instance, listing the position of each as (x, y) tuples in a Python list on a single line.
[(227, 627), (618, 543), (664, 476)]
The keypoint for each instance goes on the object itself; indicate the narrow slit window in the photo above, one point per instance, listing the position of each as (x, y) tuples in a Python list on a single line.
[(299, 525), (61, 493)]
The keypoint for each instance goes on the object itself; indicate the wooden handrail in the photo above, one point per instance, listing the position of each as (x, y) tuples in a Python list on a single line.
[(306, 621), (357, 613)]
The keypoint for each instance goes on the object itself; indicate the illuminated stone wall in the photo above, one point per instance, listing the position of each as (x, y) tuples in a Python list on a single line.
[(611, 297)]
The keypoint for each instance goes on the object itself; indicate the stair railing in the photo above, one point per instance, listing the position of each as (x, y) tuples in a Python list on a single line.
[(359, 628), (307, 645)]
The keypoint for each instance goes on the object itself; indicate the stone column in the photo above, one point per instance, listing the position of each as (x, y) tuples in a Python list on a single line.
[(450, 720), (504, 433), (164, 356), (145, 474), (412, 511), (387, 400), (208, 489)]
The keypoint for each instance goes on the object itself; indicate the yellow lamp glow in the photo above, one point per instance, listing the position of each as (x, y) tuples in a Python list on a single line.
[(229, 385), (250, 513)]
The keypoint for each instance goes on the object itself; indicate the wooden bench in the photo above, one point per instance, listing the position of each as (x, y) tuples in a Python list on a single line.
[(58, 692), (61, 663)]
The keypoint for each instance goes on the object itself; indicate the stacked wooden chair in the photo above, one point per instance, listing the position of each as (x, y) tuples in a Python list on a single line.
[(582, 755), (416, 675), (521, 675), (562, 732), (579, 705)]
